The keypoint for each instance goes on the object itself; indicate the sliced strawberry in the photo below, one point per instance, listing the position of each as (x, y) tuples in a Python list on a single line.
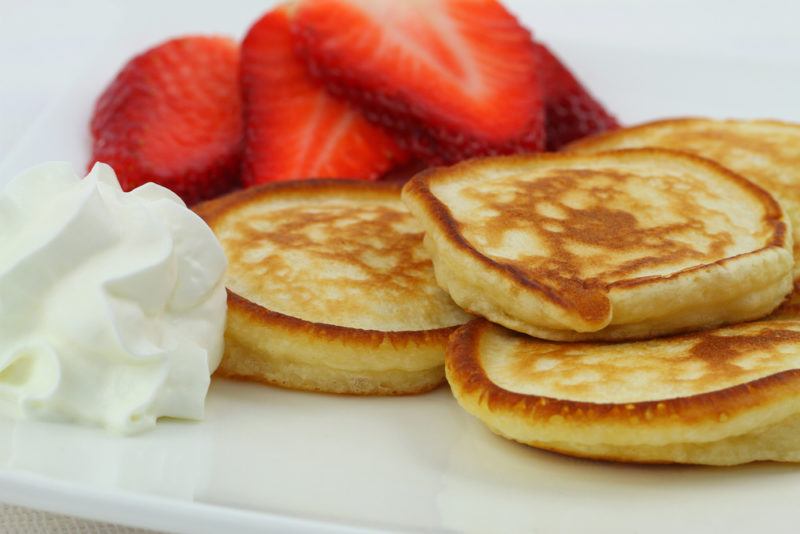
[(173, 116), (453, 78), (571, 112), (294, 129)]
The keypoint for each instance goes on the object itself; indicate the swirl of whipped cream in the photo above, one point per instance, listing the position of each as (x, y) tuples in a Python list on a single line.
[(112, 304)]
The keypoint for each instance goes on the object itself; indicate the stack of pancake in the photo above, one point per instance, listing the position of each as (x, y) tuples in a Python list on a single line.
[(330, 289), (631, 297)]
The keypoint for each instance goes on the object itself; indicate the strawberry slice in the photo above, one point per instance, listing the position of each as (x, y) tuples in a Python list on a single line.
[(294, 129), (452, 78), (570, 111), (173, 116)]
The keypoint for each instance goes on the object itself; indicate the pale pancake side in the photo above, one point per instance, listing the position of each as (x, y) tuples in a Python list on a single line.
[(720, 397), (284, 351), (764, 151), (630, 244)]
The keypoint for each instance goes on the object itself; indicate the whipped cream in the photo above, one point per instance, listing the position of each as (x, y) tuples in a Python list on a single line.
[(112, 304)]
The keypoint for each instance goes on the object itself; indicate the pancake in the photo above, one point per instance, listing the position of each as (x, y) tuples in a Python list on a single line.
[(330, 289), (766, 152), (623, 245), (719, 397)]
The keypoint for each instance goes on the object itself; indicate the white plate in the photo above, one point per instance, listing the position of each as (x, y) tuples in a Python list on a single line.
[(266, 459)]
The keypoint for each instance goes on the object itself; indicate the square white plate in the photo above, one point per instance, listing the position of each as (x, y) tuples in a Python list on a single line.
[(271, 460)]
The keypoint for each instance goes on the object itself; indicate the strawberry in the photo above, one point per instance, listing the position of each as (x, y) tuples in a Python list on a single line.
[(570, 111), (294, 129), (173, 116), (452, 78)]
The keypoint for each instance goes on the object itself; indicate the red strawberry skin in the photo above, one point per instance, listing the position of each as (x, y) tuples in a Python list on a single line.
[(294, 128), (173, 116), (452, 78), (570, 111)]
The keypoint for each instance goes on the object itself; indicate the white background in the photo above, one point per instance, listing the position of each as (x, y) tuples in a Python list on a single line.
[(268, 458), (644, 58)]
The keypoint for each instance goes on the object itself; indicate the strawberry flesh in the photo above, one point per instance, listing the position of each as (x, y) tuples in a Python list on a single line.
[(294, 128), (570, 111), (452, 78), (172, 116)]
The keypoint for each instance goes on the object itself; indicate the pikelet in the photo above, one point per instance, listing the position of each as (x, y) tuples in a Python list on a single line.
[(623, 245), (764, 151), (330, 289), (720, 397)]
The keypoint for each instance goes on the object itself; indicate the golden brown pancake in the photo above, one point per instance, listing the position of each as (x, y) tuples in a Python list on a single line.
[(623, 245), (719, 397), (330, 289), (764, 151)]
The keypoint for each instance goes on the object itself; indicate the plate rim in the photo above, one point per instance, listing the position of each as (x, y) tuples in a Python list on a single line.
[(152, 512)]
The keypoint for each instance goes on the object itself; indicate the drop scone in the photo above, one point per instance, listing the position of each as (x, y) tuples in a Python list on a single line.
[(766, 152), (720, 397), (623, 245), (330, 289)]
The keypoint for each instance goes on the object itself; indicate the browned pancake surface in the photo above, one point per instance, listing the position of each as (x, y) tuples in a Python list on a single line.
[(705, 377), (764, 151), (577, 227), (593, 231), (341, 253)]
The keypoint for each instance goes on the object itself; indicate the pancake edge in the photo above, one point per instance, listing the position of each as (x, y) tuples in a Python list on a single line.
[(376, 362), (599, 139), (580, 428), (212, 210)]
